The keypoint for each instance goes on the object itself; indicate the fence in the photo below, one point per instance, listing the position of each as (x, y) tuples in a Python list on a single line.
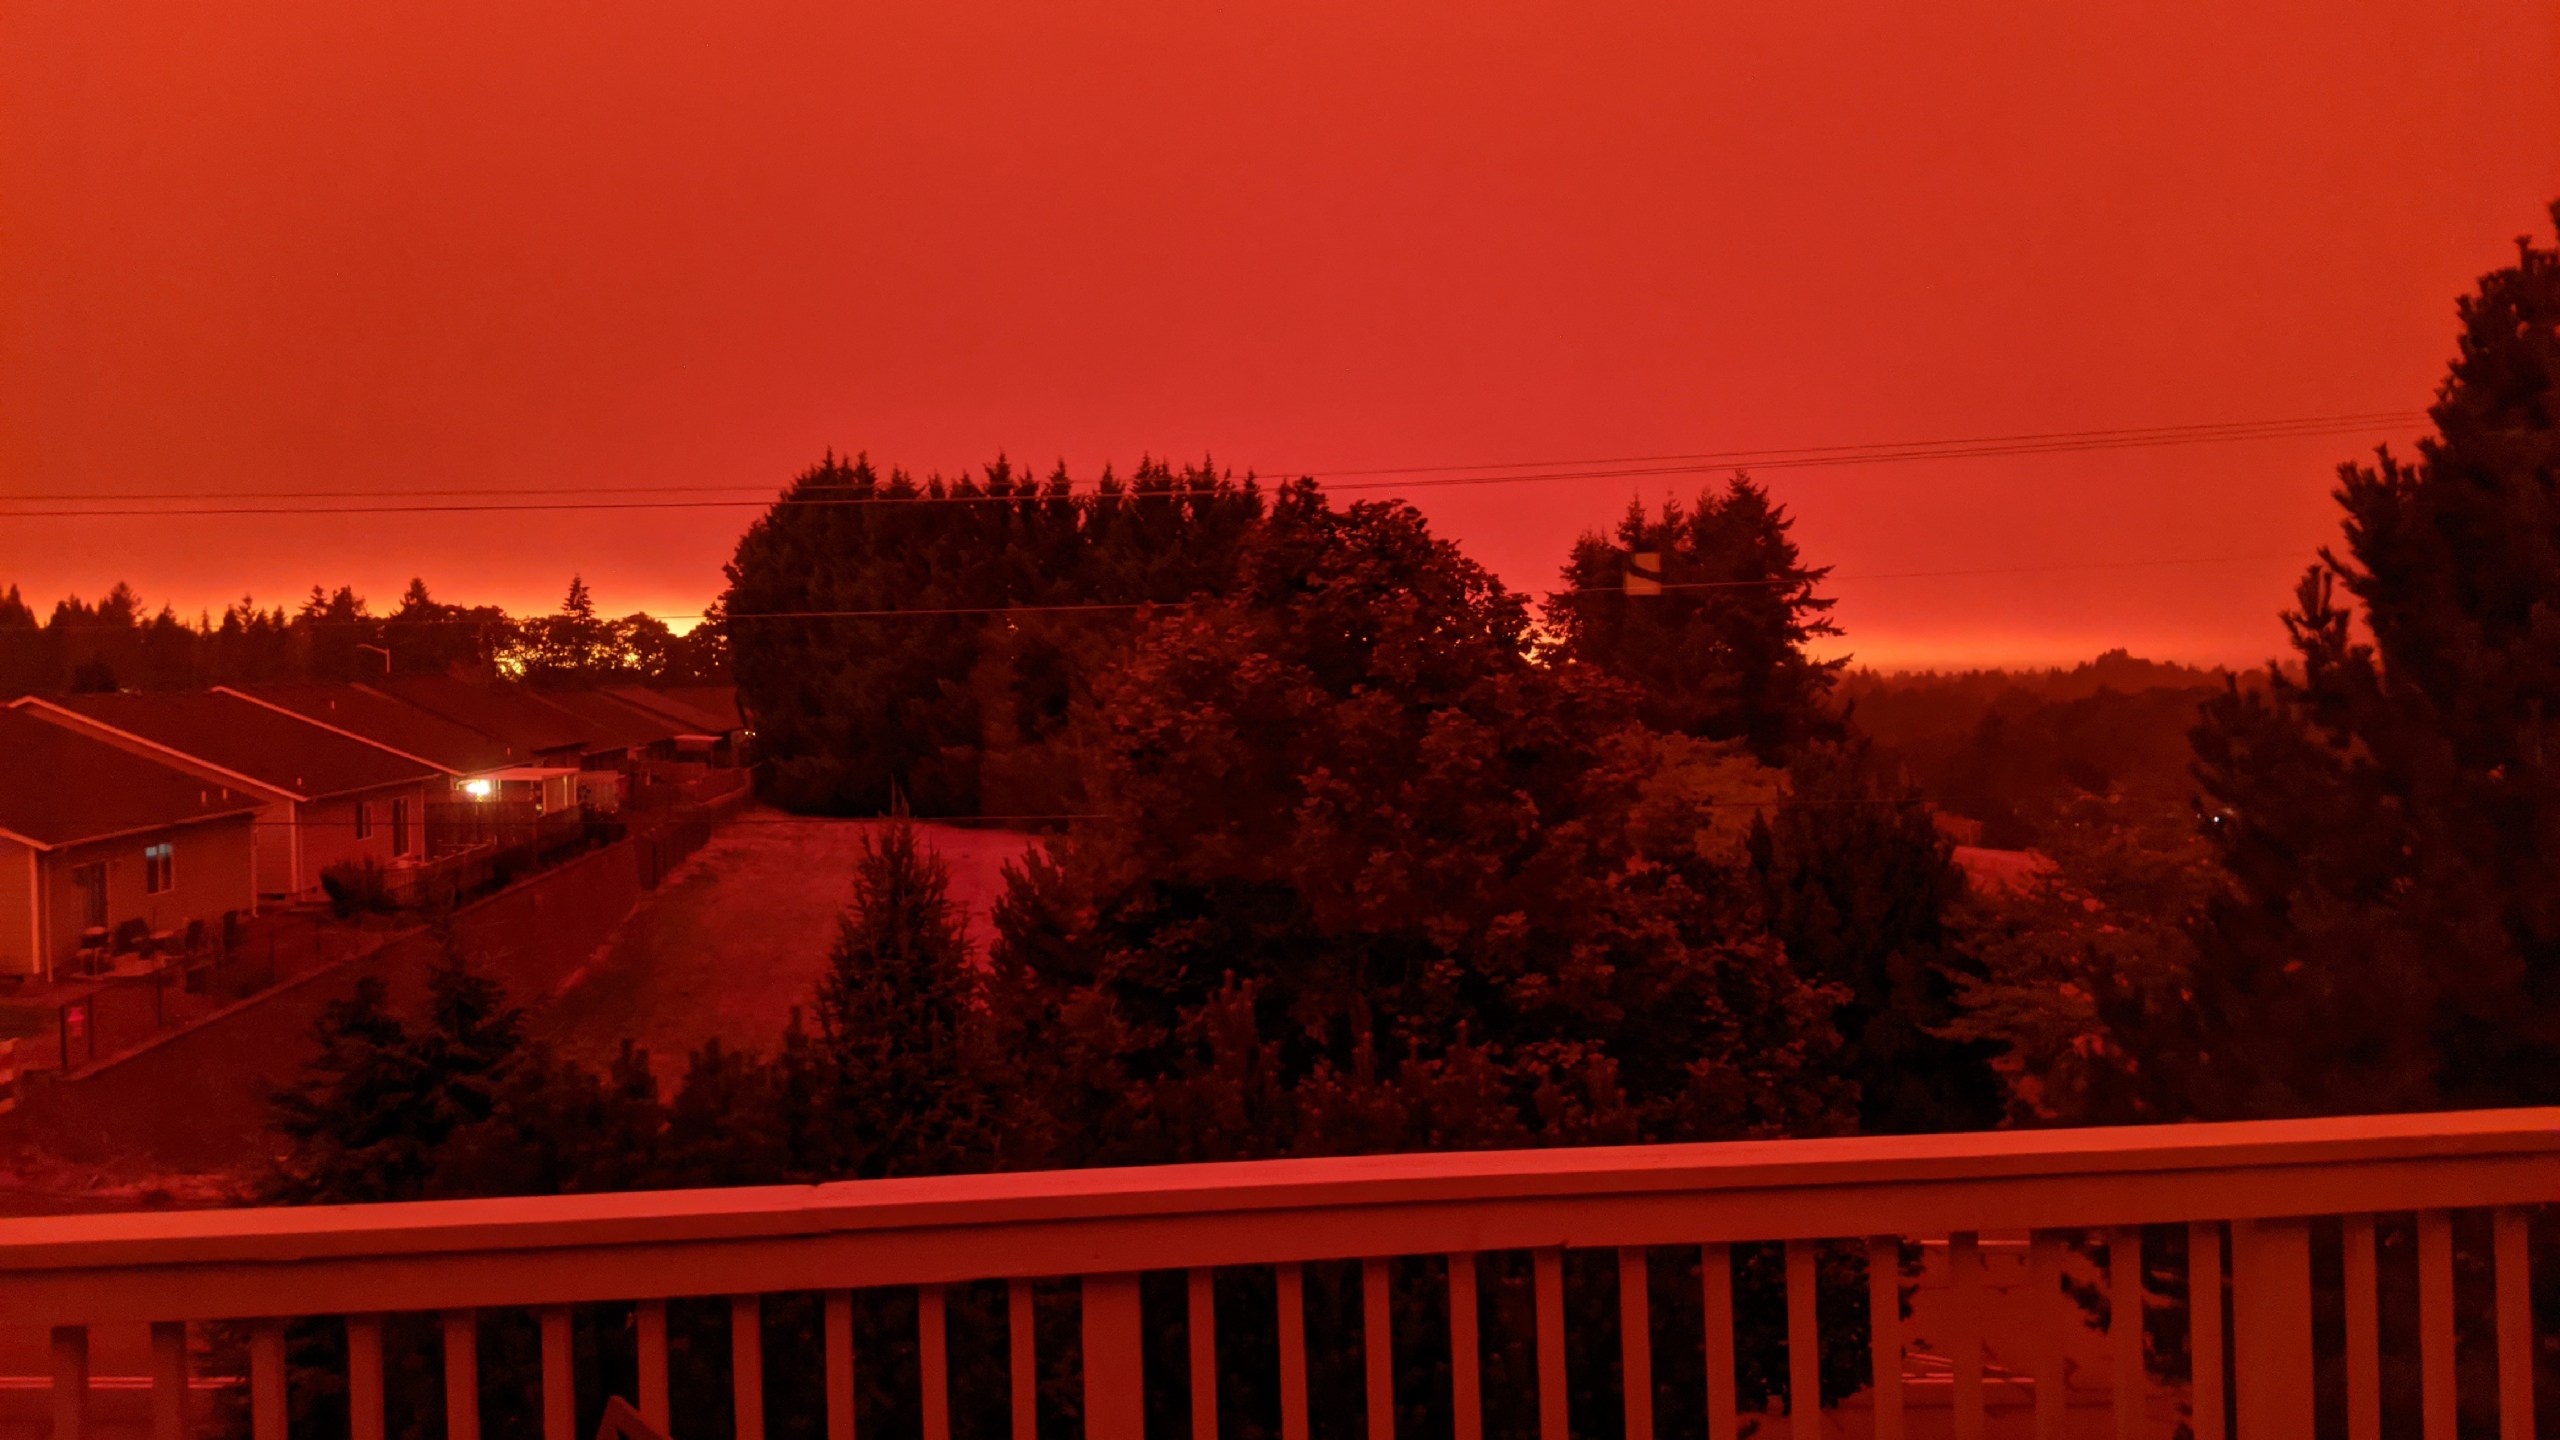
[(122, 1012), (1426, 1227)]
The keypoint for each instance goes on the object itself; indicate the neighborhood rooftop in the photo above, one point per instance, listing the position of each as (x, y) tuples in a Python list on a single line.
[(616, 722), (247, 739), (391, 723), (118, 792), (697, 718), (526, 725)]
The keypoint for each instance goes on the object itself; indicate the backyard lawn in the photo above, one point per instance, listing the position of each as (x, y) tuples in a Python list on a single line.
[(738, 934)]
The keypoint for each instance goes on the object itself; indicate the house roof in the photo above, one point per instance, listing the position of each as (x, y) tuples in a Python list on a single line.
[(504, 711), (61, 787), (720, 702), (389, 723), (694, 718), (274, 749), (616, 722)]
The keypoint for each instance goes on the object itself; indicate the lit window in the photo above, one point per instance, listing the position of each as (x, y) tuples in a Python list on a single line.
[(364, 819), (159, 868)]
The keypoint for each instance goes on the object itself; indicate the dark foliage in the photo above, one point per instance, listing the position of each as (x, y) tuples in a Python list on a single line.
[(1718, 651), (334, 635), (954, 709), (1862, 891)]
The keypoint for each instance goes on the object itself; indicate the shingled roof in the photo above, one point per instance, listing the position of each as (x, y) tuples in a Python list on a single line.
[(392, 724), (244, 738), (510, 714), (61, 788)]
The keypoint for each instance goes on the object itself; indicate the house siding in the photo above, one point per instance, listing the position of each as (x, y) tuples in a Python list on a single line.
[(329, 829), (18, 871), (273, 848), (214, 870)]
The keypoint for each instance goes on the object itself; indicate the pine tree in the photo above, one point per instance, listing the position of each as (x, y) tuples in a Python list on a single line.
[(356, 1120), (2390, 820), (1719, 649), (900, 1054), (1864, 893)]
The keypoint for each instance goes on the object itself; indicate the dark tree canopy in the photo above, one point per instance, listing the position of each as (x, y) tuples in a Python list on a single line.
[(952, 708), (1369, 878), (1718, 651), (1859, 886), (2390, 820)]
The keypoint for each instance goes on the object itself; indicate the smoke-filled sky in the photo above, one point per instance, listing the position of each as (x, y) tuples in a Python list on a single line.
[(288, 245)]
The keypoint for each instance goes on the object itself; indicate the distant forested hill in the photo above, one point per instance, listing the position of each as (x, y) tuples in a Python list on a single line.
[(2012, 748)]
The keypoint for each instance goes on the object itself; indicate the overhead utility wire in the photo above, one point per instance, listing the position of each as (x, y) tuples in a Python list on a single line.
[(2208, 430), (1433, 477)]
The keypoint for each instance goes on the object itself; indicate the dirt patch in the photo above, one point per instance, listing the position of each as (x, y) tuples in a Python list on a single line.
[(738, 935)]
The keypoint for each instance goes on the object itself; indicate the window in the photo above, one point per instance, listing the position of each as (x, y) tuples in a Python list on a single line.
[(399, 827), (91, 882), (364, 819), (159, 868)]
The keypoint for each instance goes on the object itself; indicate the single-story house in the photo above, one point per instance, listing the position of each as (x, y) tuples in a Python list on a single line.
[(99, 844), (327, 799), (708, 716), (548, 747), (628, 745), (489, 792)]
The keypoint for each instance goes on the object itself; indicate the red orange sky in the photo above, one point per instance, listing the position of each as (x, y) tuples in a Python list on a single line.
[(388, 247)]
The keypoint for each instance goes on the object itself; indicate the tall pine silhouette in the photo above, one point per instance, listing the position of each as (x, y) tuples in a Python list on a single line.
[(2390, 818)]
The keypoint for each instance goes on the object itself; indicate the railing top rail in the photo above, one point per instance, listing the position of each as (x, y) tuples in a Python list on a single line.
[(1273, 1187)]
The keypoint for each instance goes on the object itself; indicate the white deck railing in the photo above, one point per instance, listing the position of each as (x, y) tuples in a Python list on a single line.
[(2264, 1181)]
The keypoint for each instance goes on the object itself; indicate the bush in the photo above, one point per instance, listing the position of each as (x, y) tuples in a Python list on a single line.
[(357, 888)]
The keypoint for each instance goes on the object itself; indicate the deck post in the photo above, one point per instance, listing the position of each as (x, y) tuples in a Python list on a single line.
[(1115, 1381), (2271, 1328)]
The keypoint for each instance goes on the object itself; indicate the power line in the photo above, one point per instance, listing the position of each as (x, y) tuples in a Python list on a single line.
[(1430, 477)]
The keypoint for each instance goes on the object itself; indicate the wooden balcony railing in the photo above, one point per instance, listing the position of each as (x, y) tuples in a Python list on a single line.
[(2268, 1184)]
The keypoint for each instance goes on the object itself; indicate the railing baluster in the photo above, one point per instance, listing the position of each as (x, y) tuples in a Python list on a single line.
[(838, 1363), (2364, 1330), (2124, 1327), (1115, 1368), (559, 1375), (650, 1319), (1724, 1408), (461, 1375), (933, 1359), (2515, 1324), (1022, 1358), (1293, 1352), (1201, 1289), (267, 1405), (2271, 1325), (1804, 1345), (2048, 1320), (746, 1364), (1635, 1341), (1466, 1376), (2204, 1327), (70, 1382), (1378, 1348), (169, 1380), (1547, 1283), (1964, 1327), (2435, 1325), (364, 1377), (1884, 1332)]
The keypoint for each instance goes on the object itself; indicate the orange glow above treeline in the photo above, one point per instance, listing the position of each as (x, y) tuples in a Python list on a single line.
[(306, 246)]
